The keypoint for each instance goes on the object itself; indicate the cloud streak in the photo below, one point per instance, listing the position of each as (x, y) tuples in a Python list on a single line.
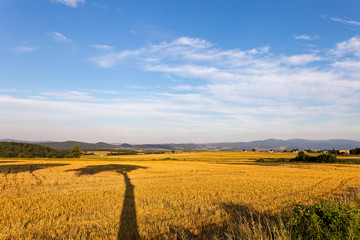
[(306, 37), (349, 22), (24, 49), (60, 37), (101, 47), (70, 3)]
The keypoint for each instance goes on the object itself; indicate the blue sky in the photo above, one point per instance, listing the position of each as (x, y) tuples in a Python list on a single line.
[(179, 71)]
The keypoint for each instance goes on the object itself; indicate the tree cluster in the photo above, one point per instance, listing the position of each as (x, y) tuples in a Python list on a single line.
[(355, 151), (321, 158), (30, 150)]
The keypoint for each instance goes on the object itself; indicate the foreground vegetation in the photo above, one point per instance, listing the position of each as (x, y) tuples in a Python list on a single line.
[(176, 196)]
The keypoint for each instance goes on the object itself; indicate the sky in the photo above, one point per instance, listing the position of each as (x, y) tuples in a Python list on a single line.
[(179, 71)]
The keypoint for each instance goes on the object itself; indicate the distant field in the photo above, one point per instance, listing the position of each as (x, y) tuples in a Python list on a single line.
[(156, 195), (192, 156)]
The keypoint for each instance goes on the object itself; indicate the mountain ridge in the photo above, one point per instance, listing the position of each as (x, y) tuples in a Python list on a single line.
[(260, 145)]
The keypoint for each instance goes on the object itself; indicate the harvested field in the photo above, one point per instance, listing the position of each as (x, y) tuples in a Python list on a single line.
[(154, 196)]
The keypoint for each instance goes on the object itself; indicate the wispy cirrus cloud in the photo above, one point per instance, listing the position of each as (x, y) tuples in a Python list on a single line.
[(69, 95), (12, 90), (111, 59), (101, 47), (344, 21), (24, 49), (60, 37), (306, 37), (76, 95), (70, 3)]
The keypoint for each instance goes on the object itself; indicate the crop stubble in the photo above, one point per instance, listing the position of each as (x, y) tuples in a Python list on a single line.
[(85, 198)]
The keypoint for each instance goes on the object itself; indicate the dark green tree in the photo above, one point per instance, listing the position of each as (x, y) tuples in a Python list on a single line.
[(355, 151), (74, 152)]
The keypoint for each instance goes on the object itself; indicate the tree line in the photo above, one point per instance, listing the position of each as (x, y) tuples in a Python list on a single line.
[(321, 158), (30, 150)]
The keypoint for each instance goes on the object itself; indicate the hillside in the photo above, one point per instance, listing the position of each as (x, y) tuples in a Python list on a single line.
[(29, 150), (83, 145)]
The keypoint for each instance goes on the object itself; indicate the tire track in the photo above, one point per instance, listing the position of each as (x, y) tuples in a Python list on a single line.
[(314, 186), (342, 184), (6, 178), (38, 179)]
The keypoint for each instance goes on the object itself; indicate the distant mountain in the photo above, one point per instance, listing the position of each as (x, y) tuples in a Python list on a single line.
[(259, 145), (279, 145), (168, 147), (83, 145), (125, 145)]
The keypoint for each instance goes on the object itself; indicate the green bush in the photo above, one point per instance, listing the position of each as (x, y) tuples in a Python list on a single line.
[(301, 157), (325, 220), (326, 158)]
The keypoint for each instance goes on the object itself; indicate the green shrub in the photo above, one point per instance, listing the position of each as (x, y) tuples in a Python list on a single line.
[(301, 157), (325, 220), (326, 158)]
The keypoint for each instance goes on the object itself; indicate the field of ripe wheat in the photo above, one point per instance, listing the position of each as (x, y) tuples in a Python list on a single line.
[(154, 196)]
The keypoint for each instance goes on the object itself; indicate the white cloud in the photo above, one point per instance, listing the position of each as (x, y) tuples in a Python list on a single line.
[(194, 71), (60, 37), (80, 96), (248, 76), (23, 49), (351, 46), (306, 37), (112, 58), (70, 3), (184, 115), (102, 47), (350, 22), (112, 92), (301, 59), (12, 90), (185, 48), (69, 95), (224, 94), (192, 42), (355, 65)]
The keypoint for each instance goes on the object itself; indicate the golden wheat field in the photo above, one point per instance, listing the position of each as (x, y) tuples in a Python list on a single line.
[(152, 196)]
